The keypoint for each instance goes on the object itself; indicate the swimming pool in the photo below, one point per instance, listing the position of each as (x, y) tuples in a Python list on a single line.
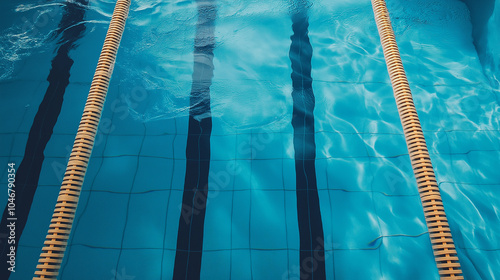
[(274, 72)]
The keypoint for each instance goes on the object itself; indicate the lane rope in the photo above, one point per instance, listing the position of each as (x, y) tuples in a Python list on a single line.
[(65, 209), (445, 253)]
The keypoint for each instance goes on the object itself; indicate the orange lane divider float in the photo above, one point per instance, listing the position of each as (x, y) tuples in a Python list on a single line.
[(439, 230), (64, 212)]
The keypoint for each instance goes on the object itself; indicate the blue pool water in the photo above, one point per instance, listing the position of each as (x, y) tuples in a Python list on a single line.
[(222, 114)]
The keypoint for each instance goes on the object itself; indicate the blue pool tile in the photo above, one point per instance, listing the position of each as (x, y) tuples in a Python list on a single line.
[(402, 256), (385, 145), (158, 146), (93, 169), (240, 264), (430, 108), (491, 193), (291, 220), (127, 126), (467, 110), (244, 149), (463, 169), (111, 110), (223, 147), (181, 125), (20, 109), (119, 116), (288, 151), (179, 171), (481, 162), (471, 215), (289, 180), (215, 265), (217, 228), (348, 174), (247, 105), (347, 264), (388, 122), (241, 219), (100, 144), (167, 266), (37, 65), (259, 145), (116, 174), (480, 264), (356, 227), (139, 264), (321, 174), (174, 205), (380, 97), (123, 145), (81, 209), (326, 216), (19, 145), (268, 145), (88, 51), (72, 109), (267, 223), (443, 167), (38, 221), (161, 127), (293, 265), (242, 178), (437, 142), (6, 143), (103, 220), (393, 176), (468, 141), (330, 264), (335, 110), (222, 175), (103, 263), (146, 220), (180, 143), (267, 174), (400, 214), (153, 174), (60, 145), (381, 106), (53, 170), (337, 145), (76, 94), (269, 264), (469, 263)]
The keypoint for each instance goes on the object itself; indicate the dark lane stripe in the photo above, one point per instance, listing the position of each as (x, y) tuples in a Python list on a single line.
[(312, 261), (190, 235), (28, 171)]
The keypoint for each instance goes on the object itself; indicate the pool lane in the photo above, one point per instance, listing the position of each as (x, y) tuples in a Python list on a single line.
[(312, 253), (191, 223), (28, 171)]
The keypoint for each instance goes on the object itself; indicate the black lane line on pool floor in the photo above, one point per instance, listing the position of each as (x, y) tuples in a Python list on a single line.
[(312, 253), (190, 235), (28, 173)]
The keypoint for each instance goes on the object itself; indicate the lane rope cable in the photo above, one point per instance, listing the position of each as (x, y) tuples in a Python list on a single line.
[(445, 253), (67, 201)]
